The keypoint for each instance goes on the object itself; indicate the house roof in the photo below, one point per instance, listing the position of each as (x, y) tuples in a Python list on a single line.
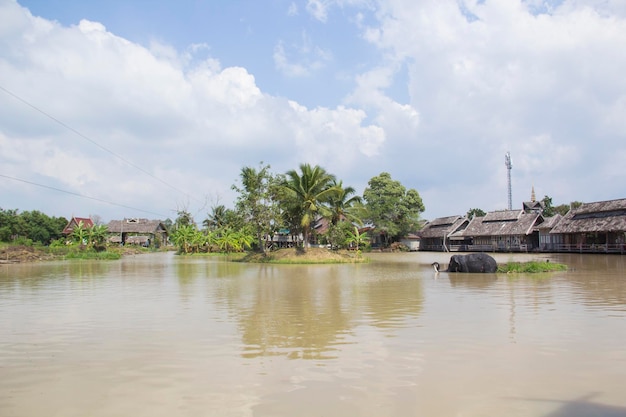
[(501, 223), (75, 221), (601, 216), (550, 222), (136, 226), (442, 226)]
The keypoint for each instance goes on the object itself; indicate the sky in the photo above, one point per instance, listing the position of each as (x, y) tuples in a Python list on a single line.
[(136, 108)]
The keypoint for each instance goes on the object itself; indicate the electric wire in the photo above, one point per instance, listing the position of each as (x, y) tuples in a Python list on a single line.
[(81, 195), (88, 139)]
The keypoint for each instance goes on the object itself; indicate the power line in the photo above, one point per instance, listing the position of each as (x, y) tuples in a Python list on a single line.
[(85, 137), (82, 195)]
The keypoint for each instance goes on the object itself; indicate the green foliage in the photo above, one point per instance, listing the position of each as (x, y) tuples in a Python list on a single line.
[(338, 234), (562, 209), (79, 234), (29, 225), (345, 205), (258, 202), (548, 209), (531, 267), (391, 207), (356, 239), (306, 194), (475, 212), (184, 237), (230, 240)]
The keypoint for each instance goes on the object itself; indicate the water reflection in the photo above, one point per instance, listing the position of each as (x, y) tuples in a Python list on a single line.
[(308, 311)]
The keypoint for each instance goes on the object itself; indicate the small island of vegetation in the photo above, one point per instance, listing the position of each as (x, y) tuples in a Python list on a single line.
[(302, 216), (531, 267)]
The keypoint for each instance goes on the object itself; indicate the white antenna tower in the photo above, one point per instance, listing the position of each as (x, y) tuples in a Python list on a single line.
[(509, 166)]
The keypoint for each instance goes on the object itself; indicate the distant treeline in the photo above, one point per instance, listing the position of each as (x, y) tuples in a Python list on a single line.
[(30, 227)]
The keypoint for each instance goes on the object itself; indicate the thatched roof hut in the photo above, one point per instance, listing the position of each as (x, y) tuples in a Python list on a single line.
[(502, 223), (598, 217), (137, 231)]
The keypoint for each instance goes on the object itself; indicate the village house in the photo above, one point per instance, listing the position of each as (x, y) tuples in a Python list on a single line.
[(549, 241), (435, 235), (502, 231), (592, 227), (598, 227), (142, 232), (74, 222)]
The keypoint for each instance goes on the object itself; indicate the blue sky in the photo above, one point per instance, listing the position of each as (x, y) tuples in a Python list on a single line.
[(157, 105)]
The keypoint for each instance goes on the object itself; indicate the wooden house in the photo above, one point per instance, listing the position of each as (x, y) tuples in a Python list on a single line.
[(74, 222), (138, 232), (593, 227), (549, 241), (435, 235), (504, 231)]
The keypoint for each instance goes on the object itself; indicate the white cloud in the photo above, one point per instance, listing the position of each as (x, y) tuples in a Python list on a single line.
[(445, 90), (293, 9), (318, 9), (496, 76), (302, 59), (176, 115)]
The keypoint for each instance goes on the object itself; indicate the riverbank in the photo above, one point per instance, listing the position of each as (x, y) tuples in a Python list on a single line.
[(15, 254)]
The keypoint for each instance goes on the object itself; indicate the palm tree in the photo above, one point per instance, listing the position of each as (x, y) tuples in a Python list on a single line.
[(217, 218), (345, 205), (307, 193)]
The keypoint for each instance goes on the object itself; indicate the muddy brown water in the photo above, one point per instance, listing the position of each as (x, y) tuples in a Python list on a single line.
[(160, 335)]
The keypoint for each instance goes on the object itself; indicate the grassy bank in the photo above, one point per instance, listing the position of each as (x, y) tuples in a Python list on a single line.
[(34, 253), (293, 256), (531, 267)]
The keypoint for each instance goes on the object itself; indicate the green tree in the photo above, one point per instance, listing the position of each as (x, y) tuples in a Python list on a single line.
[(475, 212), (392, 208), (563, 209), (357, 239), (216, 218), (11, 225), (307, 194), (548, 209), (97, 235), (257, 202), (345, 205), (231, 240), (184, 237)]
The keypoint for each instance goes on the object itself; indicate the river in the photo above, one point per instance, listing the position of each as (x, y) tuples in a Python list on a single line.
[(163, 335)]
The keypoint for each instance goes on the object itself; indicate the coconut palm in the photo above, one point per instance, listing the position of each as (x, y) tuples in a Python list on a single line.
[(217, 218), (344, 205), (307, 193)]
